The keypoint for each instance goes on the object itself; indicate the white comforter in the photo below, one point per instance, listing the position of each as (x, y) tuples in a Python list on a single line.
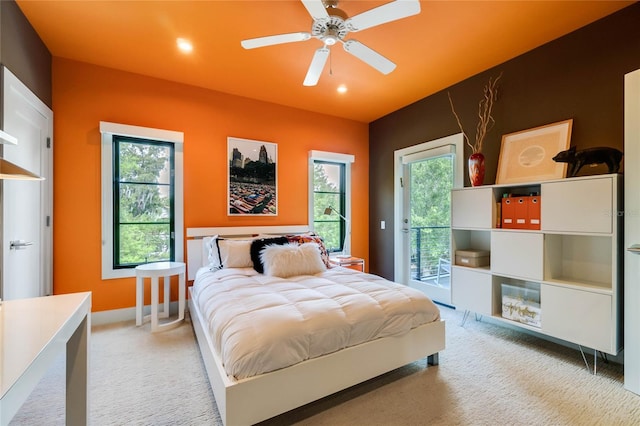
[(261, 323)]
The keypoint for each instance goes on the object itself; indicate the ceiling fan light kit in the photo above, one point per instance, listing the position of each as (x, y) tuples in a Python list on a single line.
[(331, 25)]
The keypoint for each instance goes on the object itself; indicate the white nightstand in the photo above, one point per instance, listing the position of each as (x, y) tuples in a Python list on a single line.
[(154, 271), (355, 263)]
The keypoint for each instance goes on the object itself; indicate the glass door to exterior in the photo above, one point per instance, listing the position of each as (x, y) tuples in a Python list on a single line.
[(427, 193), (424, 175)]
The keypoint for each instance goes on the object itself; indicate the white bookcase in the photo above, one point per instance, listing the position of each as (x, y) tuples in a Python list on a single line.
[(572, 261)]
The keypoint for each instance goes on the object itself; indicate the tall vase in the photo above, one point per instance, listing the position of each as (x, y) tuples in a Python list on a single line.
[(476, 169)]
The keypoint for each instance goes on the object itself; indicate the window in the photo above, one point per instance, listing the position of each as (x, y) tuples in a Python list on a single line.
[(329, 203), (143, 226), (142, 215), (330, 198)]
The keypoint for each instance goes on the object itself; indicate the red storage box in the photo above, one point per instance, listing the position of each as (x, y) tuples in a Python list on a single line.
[(521, 212), (507, 212), (533, 210)]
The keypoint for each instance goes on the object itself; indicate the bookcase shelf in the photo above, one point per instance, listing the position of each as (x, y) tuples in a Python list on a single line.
[(571, 261)]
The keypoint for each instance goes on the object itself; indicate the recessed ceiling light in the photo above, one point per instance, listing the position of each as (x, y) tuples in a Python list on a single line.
[(184, 45), (342, 89)]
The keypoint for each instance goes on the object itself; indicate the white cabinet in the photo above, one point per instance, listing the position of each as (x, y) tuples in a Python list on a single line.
[(473, 289), (571, 261), (475, 208), (578, 316), (590, 203), (517, 254)]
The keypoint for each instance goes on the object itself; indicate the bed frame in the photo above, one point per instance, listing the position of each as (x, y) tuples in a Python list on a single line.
[(251, 400)]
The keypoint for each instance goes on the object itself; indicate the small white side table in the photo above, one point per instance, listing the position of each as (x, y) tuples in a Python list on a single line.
[(154, 271)]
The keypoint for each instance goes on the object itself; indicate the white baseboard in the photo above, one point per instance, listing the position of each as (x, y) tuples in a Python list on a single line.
[(125, 314)]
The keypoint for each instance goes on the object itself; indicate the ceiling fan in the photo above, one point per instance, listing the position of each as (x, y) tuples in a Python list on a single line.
[(331, 25)]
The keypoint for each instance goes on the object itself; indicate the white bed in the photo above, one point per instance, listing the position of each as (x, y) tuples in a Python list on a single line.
[(257, 398)]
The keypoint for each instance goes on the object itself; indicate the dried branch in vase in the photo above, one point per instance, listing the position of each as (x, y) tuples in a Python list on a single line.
[(486, 121)]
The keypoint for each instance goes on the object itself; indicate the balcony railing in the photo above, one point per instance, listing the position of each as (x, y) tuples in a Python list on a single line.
[(430, 253)]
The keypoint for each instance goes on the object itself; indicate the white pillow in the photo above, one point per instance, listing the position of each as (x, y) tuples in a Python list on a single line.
[(289, 260), (210, 252), (235, 253)]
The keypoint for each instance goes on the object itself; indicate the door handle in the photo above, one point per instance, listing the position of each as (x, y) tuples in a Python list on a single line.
[(19, 244), (635, 249)]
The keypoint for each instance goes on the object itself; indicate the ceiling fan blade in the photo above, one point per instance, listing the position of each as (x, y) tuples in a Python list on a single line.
[(369, 56), (395, 10), (316, 67), (316, 9), (252, 43)]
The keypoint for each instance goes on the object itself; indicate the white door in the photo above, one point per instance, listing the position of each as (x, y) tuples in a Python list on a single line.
[(427, 173), (26, 205), (632, 232)]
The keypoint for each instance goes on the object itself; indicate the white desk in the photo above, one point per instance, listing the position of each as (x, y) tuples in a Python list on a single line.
[(154, 271), (33, 332)]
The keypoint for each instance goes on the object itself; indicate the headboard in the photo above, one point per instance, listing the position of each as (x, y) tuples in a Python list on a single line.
[(195, 258)]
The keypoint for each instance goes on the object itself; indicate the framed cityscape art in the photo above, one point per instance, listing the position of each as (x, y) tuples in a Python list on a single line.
[(252, 177)]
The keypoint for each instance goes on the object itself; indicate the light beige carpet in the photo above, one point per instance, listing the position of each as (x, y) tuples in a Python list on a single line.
[(487, 375)]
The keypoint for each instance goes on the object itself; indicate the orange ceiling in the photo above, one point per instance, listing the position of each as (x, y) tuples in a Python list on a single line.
[(444, 44)]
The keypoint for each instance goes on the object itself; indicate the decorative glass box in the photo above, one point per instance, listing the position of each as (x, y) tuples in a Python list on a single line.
[(521, 304)]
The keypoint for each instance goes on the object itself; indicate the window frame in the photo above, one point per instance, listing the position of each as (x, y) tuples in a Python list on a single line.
[(337, 158), (108, 131), (117, 186)]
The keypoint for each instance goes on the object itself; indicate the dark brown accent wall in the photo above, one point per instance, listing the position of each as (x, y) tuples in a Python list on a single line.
[(23, 52), (578, 76)]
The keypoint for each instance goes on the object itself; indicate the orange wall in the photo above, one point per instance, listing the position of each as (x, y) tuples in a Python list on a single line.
[(84, 95)]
